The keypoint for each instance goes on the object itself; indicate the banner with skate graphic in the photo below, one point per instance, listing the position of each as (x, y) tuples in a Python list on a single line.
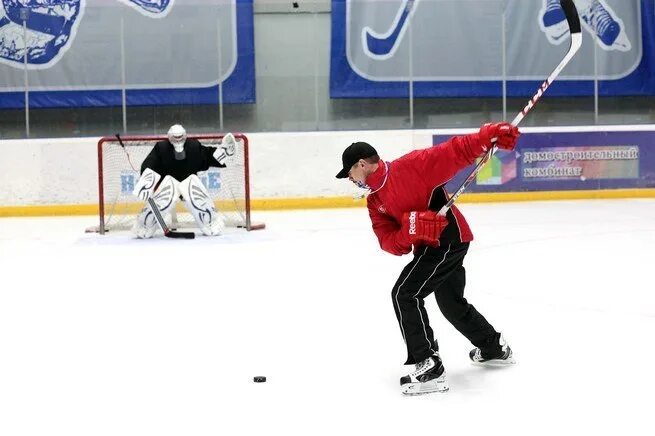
[(465, 48), (85, 52), (567, 160)]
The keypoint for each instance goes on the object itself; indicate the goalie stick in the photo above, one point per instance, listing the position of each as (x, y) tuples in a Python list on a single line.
[(155, 210), (573, 19), (160, 219)]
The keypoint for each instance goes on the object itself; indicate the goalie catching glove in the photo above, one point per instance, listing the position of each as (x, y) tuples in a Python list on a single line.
[(423, 227), (227, 148), (146, 184)]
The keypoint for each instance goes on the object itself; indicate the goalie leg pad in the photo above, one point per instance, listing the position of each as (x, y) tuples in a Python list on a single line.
[(165, 198), (200, 204)]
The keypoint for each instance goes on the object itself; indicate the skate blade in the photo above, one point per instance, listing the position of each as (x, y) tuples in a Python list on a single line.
[(496, 362), (424, 388), (622, 43)]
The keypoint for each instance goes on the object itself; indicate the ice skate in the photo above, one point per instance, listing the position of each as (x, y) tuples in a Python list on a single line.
[(601, 21), (429, 376), (504, 357), (553, 22)]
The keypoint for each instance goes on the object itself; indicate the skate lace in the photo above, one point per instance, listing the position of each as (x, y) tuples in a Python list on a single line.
[(420, 367), (478, 354), (552, 5), (599, 18)]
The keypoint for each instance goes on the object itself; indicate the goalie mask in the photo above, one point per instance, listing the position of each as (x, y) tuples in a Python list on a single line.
[(177, 138)]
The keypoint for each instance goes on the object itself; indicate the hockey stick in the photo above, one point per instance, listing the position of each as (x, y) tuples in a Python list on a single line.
[(155, 210), (573, 19), (164, 227)]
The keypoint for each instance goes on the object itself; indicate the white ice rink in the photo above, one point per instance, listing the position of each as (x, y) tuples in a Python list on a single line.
[(115, 336)]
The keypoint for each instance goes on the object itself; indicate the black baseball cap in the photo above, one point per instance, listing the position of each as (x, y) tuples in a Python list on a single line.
[(352, 154)]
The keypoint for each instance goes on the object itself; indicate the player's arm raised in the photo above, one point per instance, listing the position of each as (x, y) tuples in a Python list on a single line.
[(440, 163)]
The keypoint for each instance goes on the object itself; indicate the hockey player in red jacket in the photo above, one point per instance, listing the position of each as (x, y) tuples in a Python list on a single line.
[(403, 200)]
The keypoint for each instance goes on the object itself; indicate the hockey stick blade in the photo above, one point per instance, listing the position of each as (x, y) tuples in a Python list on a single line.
[(573, 19), (164, 227), (572, 16), (180, 235)]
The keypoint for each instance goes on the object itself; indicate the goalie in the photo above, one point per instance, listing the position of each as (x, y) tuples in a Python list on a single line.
[(175, 162)]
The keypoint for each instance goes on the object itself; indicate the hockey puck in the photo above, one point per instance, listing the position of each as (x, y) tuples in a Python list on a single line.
[(259, 379)]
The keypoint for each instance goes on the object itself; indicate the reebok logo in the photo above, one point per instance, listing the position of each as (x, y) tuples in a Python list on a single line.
[(412, 223)]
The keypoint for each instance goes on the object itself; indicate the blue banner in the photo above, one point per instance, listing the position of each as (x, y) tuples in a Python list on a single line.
[(82, 53), (567, 161), (466, 48)]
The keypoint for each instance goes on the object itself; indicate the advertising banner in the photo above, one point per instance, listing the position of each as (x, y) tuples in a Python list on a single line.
[(76, 53), (567, 161), (466, 48)]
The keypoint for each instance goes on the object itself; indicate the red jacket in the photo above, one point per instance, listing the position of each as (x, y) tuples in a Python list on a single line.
[(415, 182)]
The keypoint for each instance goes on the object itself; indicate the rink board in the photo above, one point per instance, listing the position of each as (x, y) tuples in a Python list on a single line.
[(568, 161)]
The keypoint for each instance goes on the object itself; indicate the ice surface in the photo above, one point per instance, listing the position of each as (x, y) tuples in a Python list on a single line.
[(107, 335)]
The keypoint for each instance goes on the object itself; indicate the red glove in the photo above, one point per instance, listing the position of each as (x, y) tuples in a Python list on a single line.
[(423, 226), (504, 135)]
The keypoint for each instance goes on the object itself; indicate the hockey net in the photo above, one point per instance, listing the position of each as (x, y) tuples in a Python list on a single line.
[(119, 169)]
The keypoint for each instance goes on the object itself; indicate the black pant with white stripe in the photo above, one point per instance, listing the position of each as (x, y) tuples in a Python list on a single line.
[(438, 270)]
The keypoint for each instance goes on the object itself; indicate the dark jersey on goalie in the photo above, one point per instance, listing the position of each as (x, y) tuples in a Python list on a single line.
[(162, 159)]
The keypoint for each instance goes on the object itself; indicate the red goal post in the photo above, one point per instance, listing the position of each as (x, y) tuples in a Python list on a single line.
[(119, 169)]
